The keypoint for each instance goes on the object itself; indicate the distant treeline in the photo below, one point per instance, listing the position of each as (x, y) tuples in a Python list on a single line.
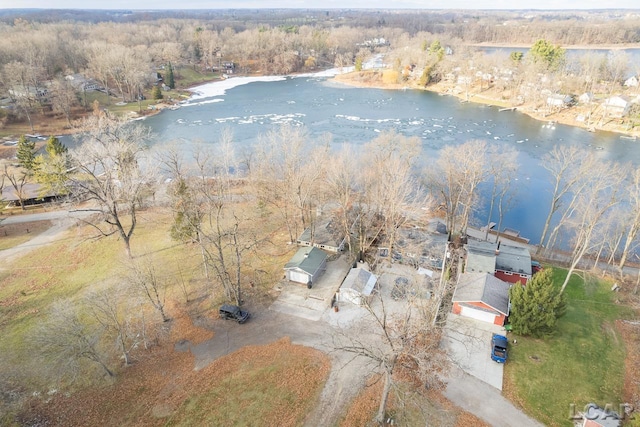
[(603, 26)]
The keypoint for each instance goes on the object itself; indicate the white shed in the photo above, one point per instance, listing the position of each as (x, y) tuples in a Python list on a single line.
[(357, 286)]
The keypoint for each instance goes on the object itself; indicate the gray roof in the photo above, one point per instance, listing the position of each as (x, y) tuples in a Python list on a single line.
[(30, 191), (308, 259), (360, 280), (483, 287), (515, 259), (324, 232), (481, 257)]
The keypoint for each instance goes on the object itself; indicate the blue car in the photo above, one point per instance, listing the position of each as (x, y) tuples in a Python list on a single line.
[(499, 348)]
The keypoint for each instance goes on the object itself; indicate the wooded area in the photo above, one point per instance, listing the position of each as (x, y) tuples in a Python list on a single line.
[(53, 64)]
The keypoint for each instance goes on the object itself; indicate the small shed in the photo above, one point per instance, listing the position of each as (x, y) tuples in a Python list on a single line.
[(306, 265), (482, 296), (357, 286), (585, 98)]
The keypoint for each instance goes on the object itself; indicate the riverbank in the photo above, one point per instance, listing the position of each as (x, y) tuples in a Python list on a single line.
[(571, 116)]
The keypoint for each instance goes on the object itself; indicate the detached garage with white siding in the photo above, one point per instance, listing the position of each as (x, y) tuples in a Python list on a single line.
[(306, 265)]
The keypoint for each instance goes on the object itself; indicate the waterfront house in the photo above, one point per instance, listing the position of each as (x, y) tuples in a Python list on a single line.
[(616, 106)]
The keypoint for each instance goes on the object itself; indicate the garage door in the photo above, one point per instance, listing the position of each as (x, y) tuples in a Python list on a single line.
[(296, 276), (478, 314)]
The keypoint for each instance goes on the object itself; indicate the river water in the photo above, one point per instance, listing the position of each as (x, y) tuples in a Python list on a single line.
[(250, 107)]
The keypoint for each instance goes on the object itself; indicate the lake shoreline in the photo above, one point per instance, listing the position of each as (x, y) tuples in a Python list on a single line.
[(565, 116)]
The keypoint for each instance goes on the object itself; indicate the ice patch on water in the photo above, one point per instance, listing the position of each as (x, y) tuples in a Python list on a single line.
[(219, 88)]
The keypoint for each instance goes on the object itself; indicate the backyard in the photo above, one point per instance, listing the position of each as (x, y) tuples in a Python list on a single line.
[(584, 362)]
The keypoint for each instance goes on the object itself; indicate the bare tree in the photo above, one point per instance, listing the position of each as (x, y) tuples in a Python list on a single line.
[(63, 97), (341, 182), (633, 222), (560, 163), (288, 173), (17, 177), (399, 344), (390, 190), (502, 169), (145, 279), (111, 175), (64, 339), (590, 209), (113, 308), (455, 180)]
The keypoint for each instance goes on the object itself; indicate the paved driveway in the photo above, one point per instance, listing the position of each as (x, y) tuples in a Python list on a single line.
[(468, 341), (296, 300)]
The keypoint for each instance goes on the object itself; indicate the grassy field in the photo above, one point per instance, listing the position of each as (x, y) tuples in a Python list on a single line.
[(582, 363), (77, 262)]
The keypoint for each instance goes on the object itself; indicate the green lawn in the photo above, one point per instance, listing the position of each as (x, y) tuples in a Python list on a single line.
[(582, 363)]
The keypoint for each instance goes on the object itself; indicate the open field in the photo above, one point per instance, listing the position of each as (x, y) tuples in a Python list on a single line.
[(584, 362)]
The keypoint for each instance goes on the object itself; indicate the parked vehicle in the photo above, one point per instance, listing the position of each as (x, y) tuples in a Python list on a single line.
[(499, 348), (229, 311)]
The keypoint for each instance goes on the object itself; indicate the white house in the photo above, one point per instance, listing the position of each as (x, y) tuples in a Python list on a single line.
[(631, 81), (558, 100), (616, 106)]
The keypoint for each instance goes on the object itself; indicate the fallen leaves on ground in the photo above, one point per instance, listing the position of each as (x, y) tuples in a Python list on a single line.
[(162, 387)]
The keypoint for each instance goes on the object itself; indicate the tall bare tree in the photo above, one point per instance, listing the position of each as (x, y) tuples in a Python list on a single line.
[(391, 193), (561, 163), (501, 170), (287, 175), (111, 175), (590, 209), (633, 221), (455, 179), (397, 344)]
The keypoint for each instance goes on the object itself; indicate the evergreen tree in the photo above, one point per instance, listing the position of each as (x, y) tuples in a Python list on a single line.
[(55, 147), (545, 53), (536, 306), (156, 93), (26, 153), (358, 66), (516, 56), (51, 170), (170, 79), (425, 78)]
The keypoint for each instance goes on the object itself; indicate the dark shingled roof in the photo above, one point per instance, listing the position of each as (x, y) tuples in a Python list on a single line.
[(483, 287), (308, 259)]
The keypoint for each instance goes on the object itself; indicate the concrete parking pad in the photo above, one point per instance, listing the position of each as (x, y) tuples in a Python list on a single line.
[(468, 342), (296, 300)]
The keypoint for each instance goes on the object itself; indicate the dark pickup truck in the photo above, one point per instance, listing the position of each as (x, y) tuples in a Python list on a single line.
[(499, 348), (229, 311)]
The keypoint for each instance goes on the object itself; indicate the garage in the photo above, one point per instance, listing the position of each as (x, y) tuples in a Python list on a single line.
[(477, 314), (482, 296), (306, 265)]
